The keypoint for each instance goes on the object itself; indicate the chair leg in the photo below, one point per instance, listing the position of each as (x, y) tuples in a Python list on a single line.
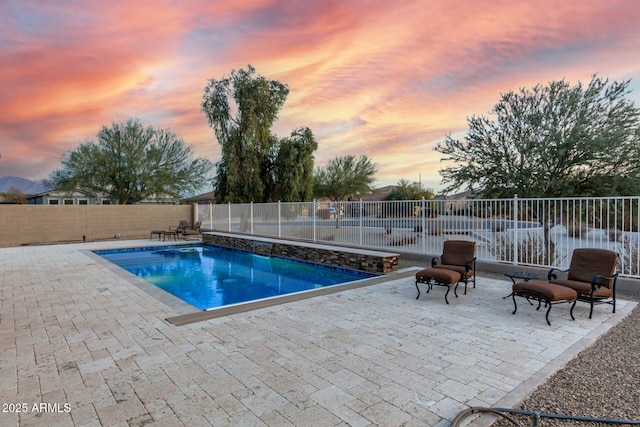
[(418, 290), (547, 315), (572, 307)]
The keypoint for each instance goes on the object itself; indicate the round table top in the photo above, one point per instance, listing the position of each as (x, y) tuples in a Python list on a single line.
[(521, 275)]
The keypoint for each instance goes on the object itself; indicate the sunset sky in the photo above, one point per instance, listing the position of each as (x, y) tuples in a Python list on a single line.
[(388, 79)]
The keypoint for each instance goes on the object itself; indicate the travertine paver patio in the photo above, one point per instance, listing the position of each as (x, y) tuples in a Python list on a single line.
[(98, 351)]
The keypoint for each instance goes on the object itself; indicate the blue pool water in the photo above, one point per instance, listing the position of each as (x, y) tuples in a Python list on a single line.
[(208, 276)]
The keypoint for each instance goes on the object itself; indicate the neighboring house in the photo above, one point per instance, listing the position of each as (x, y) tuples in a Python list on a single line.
[(457, 202), (202, 199), (378, 195), (163, 199), (373, 202), (55, 197)]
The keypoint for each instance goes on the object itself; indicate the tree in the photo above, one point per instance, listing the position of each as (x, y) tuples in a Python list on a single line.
[(15, 195), (406, 190), (551, 141), (256, 165), (345, 176), (130, 163), (292, 170)]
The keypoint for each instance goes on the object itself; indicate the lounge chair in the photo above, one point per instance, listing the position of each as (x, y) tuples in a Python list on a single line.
[(459, 256), (180, 228), (592, 275), (195, 231)]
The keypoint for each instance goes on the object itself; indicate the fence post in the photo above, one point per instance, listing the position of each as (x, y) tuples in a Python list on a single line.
[(194, 213), (313, 215), (515, 229), (251, 215), (360, 215), (279, 220), (210, 216), (229, 217), (423, 226)]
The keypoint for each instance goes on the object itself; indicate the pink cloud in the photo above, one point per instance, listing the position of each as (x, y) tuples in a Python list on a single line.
[(386, 80)]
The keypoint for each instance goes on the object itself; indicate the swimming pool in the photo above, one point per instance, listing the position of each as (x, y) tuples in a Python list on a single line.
[(209, 277)]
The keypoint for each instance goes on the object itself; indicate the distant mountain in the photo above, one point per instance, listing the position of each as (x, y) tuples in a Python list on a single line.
[(25, 185)]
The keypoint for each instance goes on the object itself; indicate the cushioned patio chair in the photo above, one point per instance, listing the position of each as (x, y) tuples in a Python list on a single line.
[(195, 231), (459, 256), (180, 228), (592, 275)]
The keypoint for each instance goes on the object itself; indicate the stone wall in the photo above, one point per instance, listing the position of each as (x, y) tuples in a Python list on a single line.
[(335, 256)]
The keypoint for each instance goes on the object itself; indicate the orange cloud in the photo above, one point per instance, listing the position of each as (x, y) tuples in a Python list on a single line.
[(386, 80)]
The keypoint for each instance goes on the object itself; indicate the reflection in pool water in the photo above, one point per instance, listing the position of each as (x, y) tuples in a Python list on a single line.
[(208, 276)]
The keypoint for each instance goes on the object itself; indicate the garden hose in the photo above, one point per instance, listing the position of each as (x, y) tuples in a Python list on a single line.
[(502, 412)]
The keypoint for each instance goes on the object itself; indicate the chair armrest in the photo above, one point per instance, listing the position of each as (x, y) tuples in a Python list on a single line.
[(551, 275), (468, 264), (595, 282)]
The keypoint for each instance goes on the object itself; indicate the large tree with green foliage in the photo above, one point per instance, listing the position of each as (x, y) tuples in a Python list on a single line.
[(130, 163), (256, 165), (556, 140), (344, 177)]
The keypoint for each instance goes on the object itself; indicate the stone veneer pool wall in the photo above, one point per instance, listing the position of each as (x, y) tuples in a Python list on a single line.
[(336, 256)]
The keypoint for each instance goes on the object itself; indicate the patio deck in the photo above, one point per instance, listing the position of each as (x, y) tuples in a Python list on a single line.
[(75, 333)]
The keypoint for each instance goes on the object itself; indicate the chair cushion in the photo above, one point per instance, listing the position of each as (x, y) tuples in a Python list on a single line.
[(586, 263), (446, 276), (550, 290), (458, 252), (457, 268), (584, 288)]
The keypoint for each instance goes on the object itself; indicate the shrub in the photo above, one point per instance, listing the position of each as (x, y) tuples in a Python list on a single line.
[(615, 235), (324, 213), (629, 257), (530, 250), (576, 229)]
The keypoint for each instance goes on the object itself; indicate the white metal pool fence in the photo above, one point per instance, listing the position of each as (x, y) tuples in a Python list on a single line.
[(535, 232)]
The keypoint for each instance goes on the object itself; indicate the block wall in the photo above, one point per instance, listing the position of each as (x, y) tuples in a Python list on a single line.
[(45, 224)]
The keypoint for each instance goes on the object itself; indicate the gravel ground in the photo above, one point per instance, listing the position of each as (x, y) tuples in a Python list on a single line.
[(602, 381)]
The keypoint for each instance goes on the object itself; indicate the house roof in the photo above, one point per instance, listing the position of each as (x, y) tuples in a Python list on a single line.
[(379, 194), (56, 193), (204, 197)]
